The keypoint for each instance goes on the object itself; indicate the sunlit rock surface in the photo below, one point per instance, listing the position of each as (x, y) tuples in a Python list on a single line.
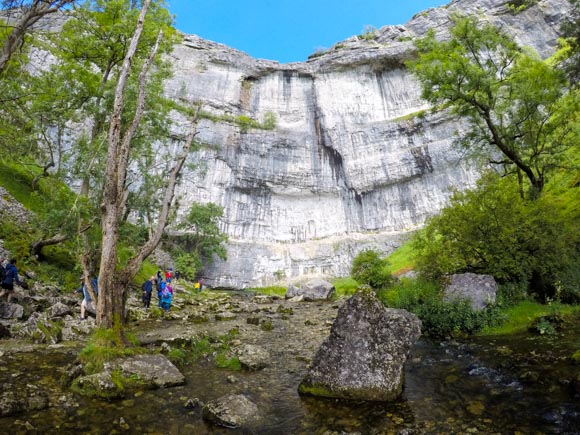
[(354, 160)]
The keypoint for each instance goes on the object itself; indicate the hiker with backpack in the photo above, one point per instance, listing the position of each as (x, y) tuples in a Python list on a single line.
[(10, 276), (160, 286), (147, 288), (166, 297)]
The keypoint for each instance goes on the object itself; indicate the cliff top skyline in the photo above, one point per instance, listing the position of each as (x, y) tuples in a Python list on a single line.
[(288, 31)]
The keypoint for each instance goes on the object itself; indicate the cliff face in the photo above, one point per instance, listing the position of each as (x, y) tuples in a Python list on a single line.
[(354, 161)]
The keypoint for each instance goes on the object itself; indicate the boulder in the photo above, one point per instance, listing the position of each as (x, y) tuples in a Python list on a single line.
[(153, 371), (231, 411), (480, 290), (314, 290), (363, 357), (99, 385), (58, 310), (253, 357), (11, 311)]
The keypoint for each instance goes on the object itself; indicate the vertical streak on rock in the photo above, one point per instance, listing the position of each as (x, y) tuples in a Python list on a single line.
[(354, 213)]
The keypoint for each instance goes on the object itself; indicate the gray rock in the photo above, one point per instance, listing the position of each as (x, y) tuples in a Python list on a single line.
[(75, 328), (153, 371), (252, 357), (59, 310), (314, 290), (480, 290), (11, 311), (40, 329), (363, 357), (231, 411)]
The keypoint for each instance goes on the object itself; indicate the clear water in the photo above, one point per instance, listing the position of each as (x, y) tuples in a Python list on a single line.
[(472, 386)]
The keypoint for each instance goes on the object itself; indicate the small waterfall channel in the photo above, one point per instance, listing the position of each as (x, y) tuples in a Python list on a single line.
[(505, 385)]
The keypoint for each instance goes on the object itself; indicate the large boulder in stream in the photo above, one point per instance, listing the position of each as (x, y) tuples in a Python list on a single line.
[(233, 411), (363, 357), (479, 290), (314, 290)]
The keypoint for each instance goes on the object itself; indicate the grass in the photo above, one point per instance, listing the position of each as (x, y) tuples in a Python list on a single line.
[(401, 259), (270, 291), (106, 345), (345, 286), (521, 315)]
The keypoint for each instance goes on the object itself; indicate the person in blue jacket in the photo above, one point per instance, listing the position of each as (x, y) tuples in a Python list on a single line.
[(87, 303), (10, 278)]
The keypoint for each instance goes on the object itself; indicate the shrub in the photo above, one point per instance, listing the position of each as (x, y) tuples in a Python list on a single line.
[(440, 319), (492, 230), (368, 268)]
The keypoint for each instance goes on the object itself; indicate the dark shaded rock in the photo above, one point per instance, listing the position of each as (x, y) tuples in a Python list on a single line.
[(4, 332), (363, 357), (231, 411), (314, 290), (22, 399), (253, 357), (11, 311), (480, 290)]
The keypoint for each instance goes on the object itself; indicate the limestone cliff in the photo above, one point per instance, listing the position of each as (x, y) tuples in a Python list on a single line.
[(354, 161)]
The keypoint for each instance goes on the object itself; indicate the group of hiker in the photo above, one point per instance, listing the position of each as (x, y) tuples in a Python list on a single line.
[(162, 283)]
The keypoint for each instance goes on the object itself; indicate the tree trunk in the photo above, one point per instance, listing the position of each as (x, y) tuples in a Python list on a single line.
[(111, 305)]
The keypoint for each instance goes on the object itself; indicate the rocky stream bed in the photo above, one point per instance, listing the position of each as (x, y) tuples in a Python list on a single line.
[(524, 384)]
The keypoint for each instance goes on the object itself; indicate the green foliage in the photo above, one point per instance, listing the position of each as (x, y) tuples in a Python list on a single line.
[(189, 264), (369, 33), (517, 6), (369, 268), (270, 291), (515, 103), (106, 345), (202, 239), (345, 286), (223, 361), (520, 316), (402, 259), (270, 120), (243, 121), (439, 318), (492, 230)]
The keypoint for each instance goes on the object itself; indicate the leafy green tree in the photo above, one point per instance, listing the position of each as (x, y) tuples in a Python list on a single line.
[(492, 230), (514, 102), (369, 268), (201, 238)]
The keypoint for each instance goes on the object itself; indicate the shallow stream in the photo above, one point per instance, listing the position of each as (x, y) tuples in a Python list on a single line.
[(519, 384)]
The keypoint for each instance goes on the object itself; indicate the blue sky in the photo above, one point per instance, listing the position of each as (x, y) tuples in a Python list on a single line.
[(289, 30)]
